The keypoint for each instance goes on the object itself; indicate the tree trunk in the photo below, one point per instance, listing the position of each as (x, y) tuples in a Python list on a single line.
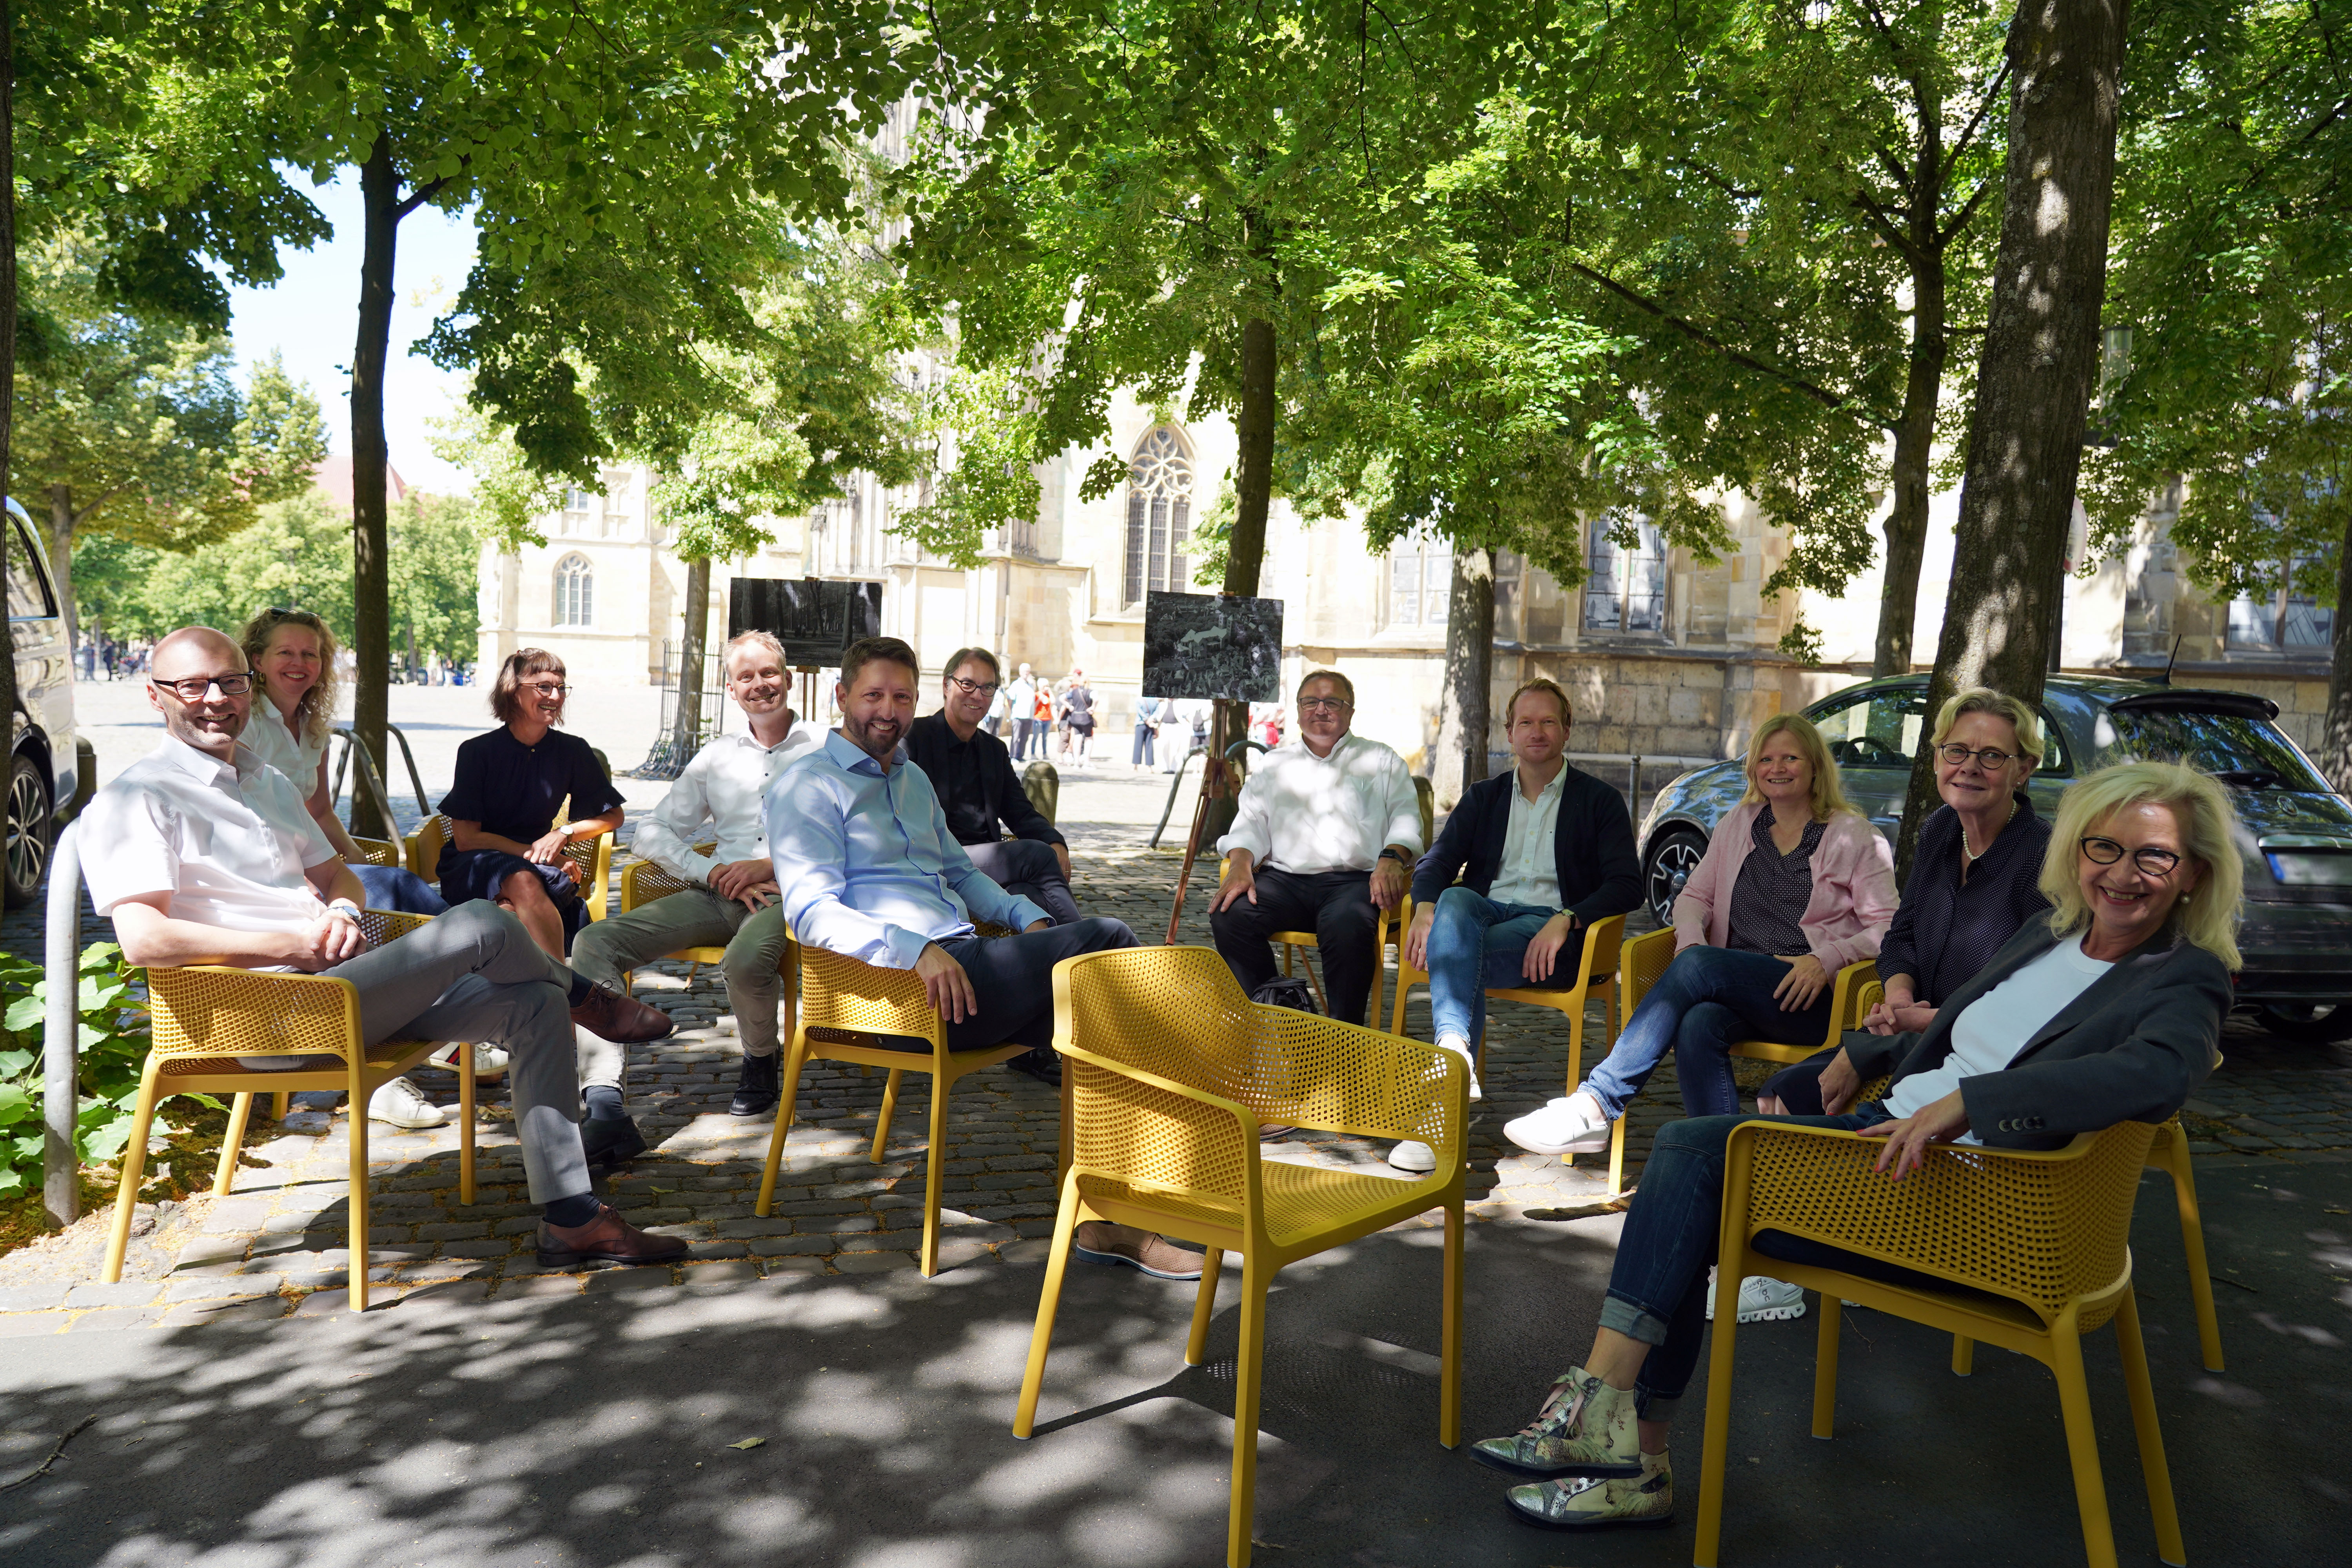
[(1463, 721), (2040, 365), (1915, 438), (7, 316), (61, 540), (688, 723), (1254, 484), (2336, 742), (370, 565)]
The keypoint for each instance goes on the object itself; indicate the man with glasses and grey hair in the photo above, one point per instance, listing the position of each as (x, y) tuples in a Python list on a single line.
[(202, 853), (721, 795), (972, 773), (1324, 839)]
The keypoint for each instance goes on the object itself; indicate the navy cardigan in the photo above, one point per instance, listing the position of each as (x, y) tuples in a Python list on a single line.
[(1592, 846)]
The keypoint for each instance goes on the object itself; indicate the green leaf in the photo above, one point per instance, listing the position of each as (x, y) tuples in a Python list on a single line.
[(15, 1104)]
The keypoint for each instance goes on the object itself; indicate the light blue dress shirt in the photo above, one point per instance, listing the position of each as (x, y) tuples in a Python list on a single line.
[(866, 864)]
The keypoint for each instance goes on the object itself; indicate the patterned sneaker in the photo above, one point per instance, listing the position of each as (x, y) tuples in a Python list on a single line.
[(1585, 1427), (1592, 1503)]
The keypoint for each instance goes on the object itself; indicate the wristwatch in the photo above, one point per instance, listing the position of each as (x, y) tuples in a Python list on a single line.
[(345, 907), (1397, 855)]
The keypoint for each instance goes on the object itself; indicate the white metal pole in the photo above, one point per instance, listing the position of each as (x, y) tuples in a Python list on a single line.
[(61, 1042)]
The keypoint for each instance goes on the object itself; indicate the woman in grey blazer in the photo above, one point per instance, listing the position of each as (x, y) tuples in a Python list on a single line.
[(2106, 1009)]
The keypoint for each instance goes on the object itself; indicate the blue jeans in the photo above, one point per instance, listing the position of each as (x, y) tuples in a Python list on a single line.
[(1657, 1291), (1708, 1000), (391, 887), (1475, 942)]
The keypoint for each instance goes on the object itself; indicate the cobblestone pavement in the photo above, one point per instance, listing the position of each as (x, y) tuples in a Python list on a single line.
[(282, 1234)]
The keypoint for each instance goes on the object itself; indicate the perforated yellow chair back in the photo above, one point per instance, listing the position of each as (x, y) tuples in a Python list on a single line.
[(376, 851), (2044, 1234), (643, 881), (1168, 1070), (424, 846)]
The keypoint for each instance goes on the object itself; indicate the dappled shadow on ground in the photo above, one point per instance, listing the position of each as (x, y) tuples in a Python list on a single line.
[(595, 1426)]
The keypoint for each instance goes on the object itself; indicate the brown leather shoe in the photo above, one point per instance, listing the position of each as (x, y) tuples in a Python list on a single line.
[(607, 1238), (1099, 1241), (623, 1020)]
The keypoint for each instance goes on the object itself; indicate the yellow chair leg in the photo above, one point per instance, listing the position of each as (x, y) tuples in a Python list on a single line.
[(357, 1268), (1825, 1366), (2083, 1446), (465, 1124), (1049, 1299), (1617, 1155), (1205, 1306), (935, 1172), (1717, 1432), (239, 1108), (1315, 983), (135, 1162), (2149, 1430), (1406, 980), (285, 1104), (785, 1105), (889, 1105), (1249, 1371), (1449, 1375), (2192, 1244), (1964, 1355)]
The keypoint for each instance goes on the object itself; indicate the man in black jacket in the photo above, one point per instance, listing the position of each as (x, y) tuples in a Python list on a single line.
[(972, 773), (1543, 851)]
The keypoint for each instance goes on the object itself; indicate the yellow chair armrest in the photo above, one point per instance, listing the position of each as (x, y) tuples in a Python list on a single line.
[(839, 992), (1642, 961), (377, 851), (1846, 1005), (1128, 1124), (2023, 1224), (208, 1010)]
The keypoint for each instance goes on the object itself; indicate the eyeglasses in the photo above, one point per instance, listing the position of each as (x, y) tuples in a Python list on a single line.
[(1323, 705), (194, 688), (974, 687), (1990, 759), (546, 687), (2150, 862)]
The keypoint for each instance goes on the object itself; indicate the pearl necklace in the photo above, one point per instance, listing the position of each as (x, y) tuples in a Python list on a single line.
[(1968, 856)]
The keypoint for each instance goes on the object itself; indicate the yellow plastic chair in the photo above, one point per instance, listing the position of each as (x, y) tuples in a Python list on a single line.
[(205, 1016), (1596, 973), (592, 855), (1386, 933), (2047, 1233), (1645, 960), (424, 846), (842, 1005), (1168, 1071), (377, 851)]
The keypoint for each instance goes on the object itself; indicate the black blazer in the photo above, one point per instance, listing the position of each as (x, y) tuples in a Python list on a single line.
[(2133, 1047), (932, 747), (1592, 846)]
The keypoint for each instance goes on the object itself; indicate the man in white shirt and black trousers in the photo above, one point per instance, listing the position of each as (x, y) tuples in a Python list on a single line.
[(732, 903), (1324, 839), (202, 853)]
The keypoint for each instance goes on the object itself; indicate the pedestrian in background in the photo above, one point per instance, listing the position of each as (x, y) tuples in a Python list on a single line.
[(1147, 728), (1078, 716), (1020, 698)]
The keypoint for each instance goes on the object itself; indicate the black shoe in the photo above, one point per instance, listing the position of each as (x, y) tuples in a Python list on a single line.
[(612, 1143), (755, 1087), (1040, 1063), (623, 1020)]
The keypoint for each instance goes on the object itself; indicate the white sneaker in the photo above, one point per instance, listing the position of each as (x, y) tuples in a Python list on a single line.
[(490, 1061), (398, 1104), (1762, 1300), (1461, 1047), (1413, 1157), (1571, 1124)]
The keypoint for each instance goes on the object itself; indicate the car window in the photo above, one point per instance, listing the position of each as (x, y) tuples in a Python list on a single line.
[(1876, 729), (2246, 751), (27, 598), (2055, 762)]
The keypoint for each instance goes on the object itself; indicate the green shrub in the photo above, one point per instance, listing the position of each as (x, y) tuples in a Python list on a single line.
[(114, 1040)]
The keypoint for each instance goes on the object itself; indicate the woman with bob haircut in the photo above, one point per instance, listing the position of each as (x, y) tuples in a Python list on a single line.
[(510, 783), (1795, 885), (2106, 1008), (1974, 882)]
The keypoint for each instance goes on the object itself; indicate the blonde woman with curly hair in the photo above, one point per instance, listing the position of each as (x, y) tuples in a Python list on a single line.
[(2105, 1008)]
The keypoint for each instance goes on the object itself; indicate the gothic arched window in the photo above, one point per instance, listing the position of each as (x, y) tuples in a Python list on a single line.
[(1158, 517), (575, 592)]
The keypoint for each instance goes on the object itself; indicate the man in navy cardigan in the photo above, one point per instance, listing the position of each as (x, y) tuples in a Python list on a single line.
[(1542, 852)]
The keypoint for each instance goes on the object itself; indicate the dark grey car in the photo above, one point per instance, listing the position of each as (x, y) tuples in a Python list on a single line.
[(2298, 838), (43, 763)]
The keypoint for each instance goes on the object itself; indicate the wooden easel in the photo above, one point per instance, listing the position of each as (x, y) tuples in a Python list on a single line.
[(1220, 780)]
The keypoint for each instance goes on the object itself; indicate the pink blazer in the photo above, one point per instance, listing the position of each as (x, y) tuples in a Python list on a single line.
[(1853, 888)]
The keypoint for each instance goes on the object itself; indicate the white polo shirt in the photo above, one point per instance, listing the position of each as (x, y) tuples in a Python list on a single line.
[(228, 844), (726, 785)]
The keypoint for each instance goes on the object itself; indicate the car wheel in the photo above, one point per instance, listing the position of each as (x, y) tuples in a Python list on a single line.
[(28, 832), (2309, 1022), (1672, 860)]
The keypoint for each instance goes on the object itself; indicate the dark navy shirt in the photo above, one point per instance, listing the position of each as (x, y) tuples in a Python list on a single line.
[(514, 790), (1944, 932), (1769, 897)]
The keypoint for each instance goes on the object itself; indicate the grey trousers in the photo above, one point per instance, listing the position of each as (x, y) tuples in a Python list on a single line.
[(475, 975), (695, 917), (1028, 868)]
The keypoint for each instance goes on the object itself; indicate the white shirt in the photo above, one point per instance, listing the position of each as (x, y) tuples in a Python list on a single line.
[(1019, 696), (1991, 1030), (726, 785), (266, 736), (1308, 813), (1530, 870), (228, 844)]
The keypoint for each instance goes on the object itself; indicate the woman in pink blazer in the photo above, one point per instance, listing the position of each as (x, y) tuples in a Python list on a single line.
[(1795, 886)]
